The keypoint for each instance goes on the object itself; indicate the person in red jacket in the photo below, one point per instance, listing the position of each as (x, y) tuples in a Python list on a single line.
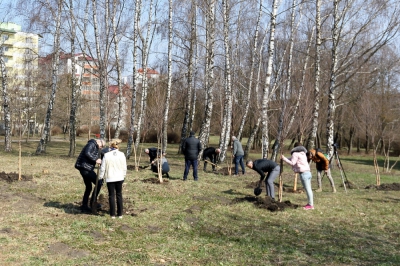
[(322, 165)]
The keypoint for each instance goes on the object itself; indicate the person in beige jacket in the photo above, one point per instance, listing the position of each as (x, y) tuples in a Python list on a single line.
[(113, 168)]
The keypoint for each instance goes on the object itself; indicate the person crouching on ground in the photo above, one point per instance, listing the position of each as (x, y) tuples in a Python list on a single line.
[(164, 165), (322, 164), (299, 164), (262, 166), (87, 160), (113, 169)]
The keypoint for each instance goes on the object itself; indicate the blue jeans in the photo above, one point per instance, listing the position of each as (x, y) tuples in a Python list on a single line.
[(239, 159), (305, 178), (194, 164)]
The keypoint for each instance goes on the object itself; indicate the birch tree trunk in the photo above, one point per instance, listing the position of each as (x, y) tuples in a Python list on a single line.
[(74, 88), (252, 63), (120, 98), (332, 82), (209, 72), (54, 78), (6, 105), (136, 24), (102, 63), (186, 126), (314, 128), (145, 53), (227, 120), (281, 131), (266, 90), (168, 96)]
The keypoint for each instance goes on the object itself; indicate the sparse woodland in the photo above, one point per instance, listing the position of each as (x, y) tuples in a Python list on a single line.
[(319, 72)]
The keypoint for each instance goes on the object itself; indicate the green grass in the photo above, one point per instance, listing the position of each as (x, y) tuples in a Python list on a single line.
[(192, 223)]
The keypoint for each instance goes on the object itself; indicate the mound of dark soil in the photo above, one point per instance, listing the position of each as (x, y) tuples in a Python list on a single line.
[(133, 167), (11, 177), (385, 187), (267, 203), (154, 180)]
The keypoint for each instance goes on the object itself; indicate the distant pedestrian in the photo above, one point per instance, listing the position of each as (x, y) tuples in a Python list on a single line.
[(263, 166), (86, 162), (210, 154), (238, 154), (191, 149), (113, 170), (300, 165)]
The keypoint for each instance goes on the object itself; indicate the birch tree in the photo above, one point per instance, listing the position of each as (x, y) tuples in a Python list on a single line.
[(227, 117), (266, 89), (169, 83), (54, 78), (209, 72), (132, 127)]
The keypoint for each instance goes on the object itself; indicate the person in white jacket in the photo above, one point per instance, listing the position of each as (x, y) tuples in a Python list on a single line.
[(113, 169)]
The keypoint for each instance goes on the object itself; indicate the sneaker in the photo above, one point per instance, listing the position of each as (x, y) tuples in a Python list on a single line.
[(308, 207), (196, 179), (120, 217), (184, 179), (112, 217)]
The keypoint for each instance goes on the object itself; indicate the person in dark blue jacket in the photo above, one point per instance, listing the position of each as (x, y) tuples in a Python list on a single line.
[(86, 162), (263, 166), (191, 149)]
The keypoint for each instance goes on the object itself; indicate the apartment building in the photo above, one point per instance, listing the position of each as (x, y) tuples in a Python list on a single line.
[(20, 53)]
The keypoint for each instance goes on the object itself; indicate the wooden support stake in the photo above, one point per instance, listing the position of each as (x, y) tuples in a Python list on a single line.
[(295, 182)]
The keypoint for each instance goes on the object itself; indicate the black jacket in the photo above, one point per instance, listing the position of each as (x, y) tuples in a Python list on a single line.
[(211, 154), (191, 148), (263, 165), (153, 153), (88, 156)]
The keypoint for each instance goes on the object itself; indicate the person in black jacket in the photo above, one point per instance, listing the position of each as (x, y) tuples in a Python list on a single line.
[(153, 153), (87, 160), (191, 149), (262, 166), (210, 154)]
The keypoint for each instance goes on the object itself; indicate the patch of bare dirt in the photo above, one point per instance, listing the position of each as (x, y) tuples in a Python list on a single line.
[(65, 250), (385, 187), (12, 177), (133, 167), (267, 203), (127, 202)]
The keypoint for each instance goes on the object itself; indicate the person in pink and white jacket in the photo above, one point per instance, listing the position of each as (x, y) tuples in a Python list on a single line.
[(300, 165)]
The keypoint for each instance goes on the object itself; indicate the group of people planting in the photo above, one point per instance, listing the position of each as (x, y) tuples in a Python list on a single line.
[(113, 168)]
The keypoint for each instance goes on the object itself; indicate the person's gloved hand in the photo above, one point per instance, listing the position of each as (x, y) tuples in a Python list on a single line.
[(100, 183)]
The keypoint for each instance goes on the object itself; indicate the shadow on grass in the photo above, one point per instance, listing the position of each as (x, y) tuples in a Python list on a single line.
[(70, 208)]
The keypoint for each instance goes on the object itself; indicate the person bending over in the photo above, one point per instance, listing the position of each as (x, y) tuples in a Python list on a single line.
[(263, 166)]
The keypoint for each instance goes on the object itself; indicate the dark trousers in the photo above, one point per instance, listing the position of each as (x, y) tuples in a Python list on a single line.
[(89, 177), (213, 160), (115, 190), (239, 160), (194, 164)]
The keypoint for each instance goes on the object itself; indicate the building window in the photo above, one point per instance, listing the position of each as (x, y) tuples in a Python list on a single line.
[(5, 37)]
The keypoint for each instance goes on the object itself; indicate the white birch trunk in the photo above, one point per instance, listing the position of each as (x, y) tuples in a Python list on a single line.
[(266, 91), (227, 120), (54, 76), (209, 82), (132, 129), (168, 96)]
